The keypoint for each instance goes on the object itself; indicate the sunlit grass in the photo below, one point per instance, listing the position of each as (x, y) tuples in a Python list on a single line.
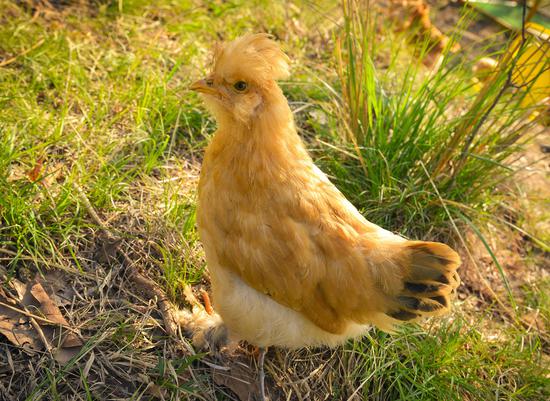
[(454, 361), (414, 144)]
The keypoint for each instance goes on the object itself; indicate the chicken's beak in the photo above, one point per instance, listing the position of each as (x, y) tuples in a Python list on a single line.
[(203, 87)]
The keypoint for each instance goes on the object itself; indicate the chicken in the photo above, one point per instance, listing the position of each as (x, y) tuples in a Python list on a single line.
[(292, 262)]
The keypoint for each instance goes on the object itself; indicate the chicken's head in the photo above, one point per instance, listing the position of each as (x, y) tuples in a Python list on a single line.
[(242, 79)]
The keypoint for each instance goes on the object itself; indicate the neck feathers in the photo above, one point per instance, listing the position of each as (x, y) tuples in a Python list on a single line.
[(269, 144)]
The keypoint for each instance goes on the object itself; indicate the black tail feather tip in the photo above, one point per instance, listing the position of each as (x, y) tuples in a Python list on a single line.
[(403, 315), (428, 304), (422, 288)]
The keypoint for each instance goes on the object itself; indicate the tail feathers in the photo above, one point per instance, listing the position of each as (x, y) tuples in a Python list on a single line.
[(429, 281)]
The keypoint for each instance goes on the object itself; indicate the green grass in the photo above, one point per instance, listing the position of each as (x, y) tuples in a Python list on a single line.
[(418, 149), (451, 362), (98, 96)]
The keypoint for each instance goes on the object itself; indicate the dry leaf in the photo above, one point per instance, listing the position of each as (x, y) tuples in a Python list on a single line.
[(52, 313), (58, 288), (48, 308), (240, 379), (49, 333), (34, 173), (17, 328), (64, 354)]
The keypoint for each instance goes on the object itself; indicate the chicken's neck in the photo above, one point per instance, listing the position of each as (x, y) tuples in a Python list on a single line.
[(268, 144)]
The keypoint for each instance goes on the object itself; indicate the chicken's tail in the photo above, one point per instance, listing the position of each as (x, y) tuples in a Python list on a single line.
[(428, 279)]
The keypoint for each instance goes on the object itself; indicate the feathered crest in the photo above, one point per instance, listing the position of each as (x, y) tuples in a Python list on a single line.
[(253, 56)]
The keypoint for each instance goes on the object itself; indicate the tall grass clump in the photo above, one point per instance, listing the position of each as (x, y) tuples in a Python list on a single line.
[(420, 148)]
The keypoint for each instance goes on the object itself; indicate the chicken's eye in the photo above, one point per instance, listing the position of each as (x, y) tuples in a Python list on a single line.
[(240, 86)]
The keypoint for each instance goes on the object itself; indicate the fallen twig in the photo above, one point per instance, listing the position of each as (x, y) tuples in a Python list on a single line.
[(14, 58), (167, 310), (41, 335), (31, 315)]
